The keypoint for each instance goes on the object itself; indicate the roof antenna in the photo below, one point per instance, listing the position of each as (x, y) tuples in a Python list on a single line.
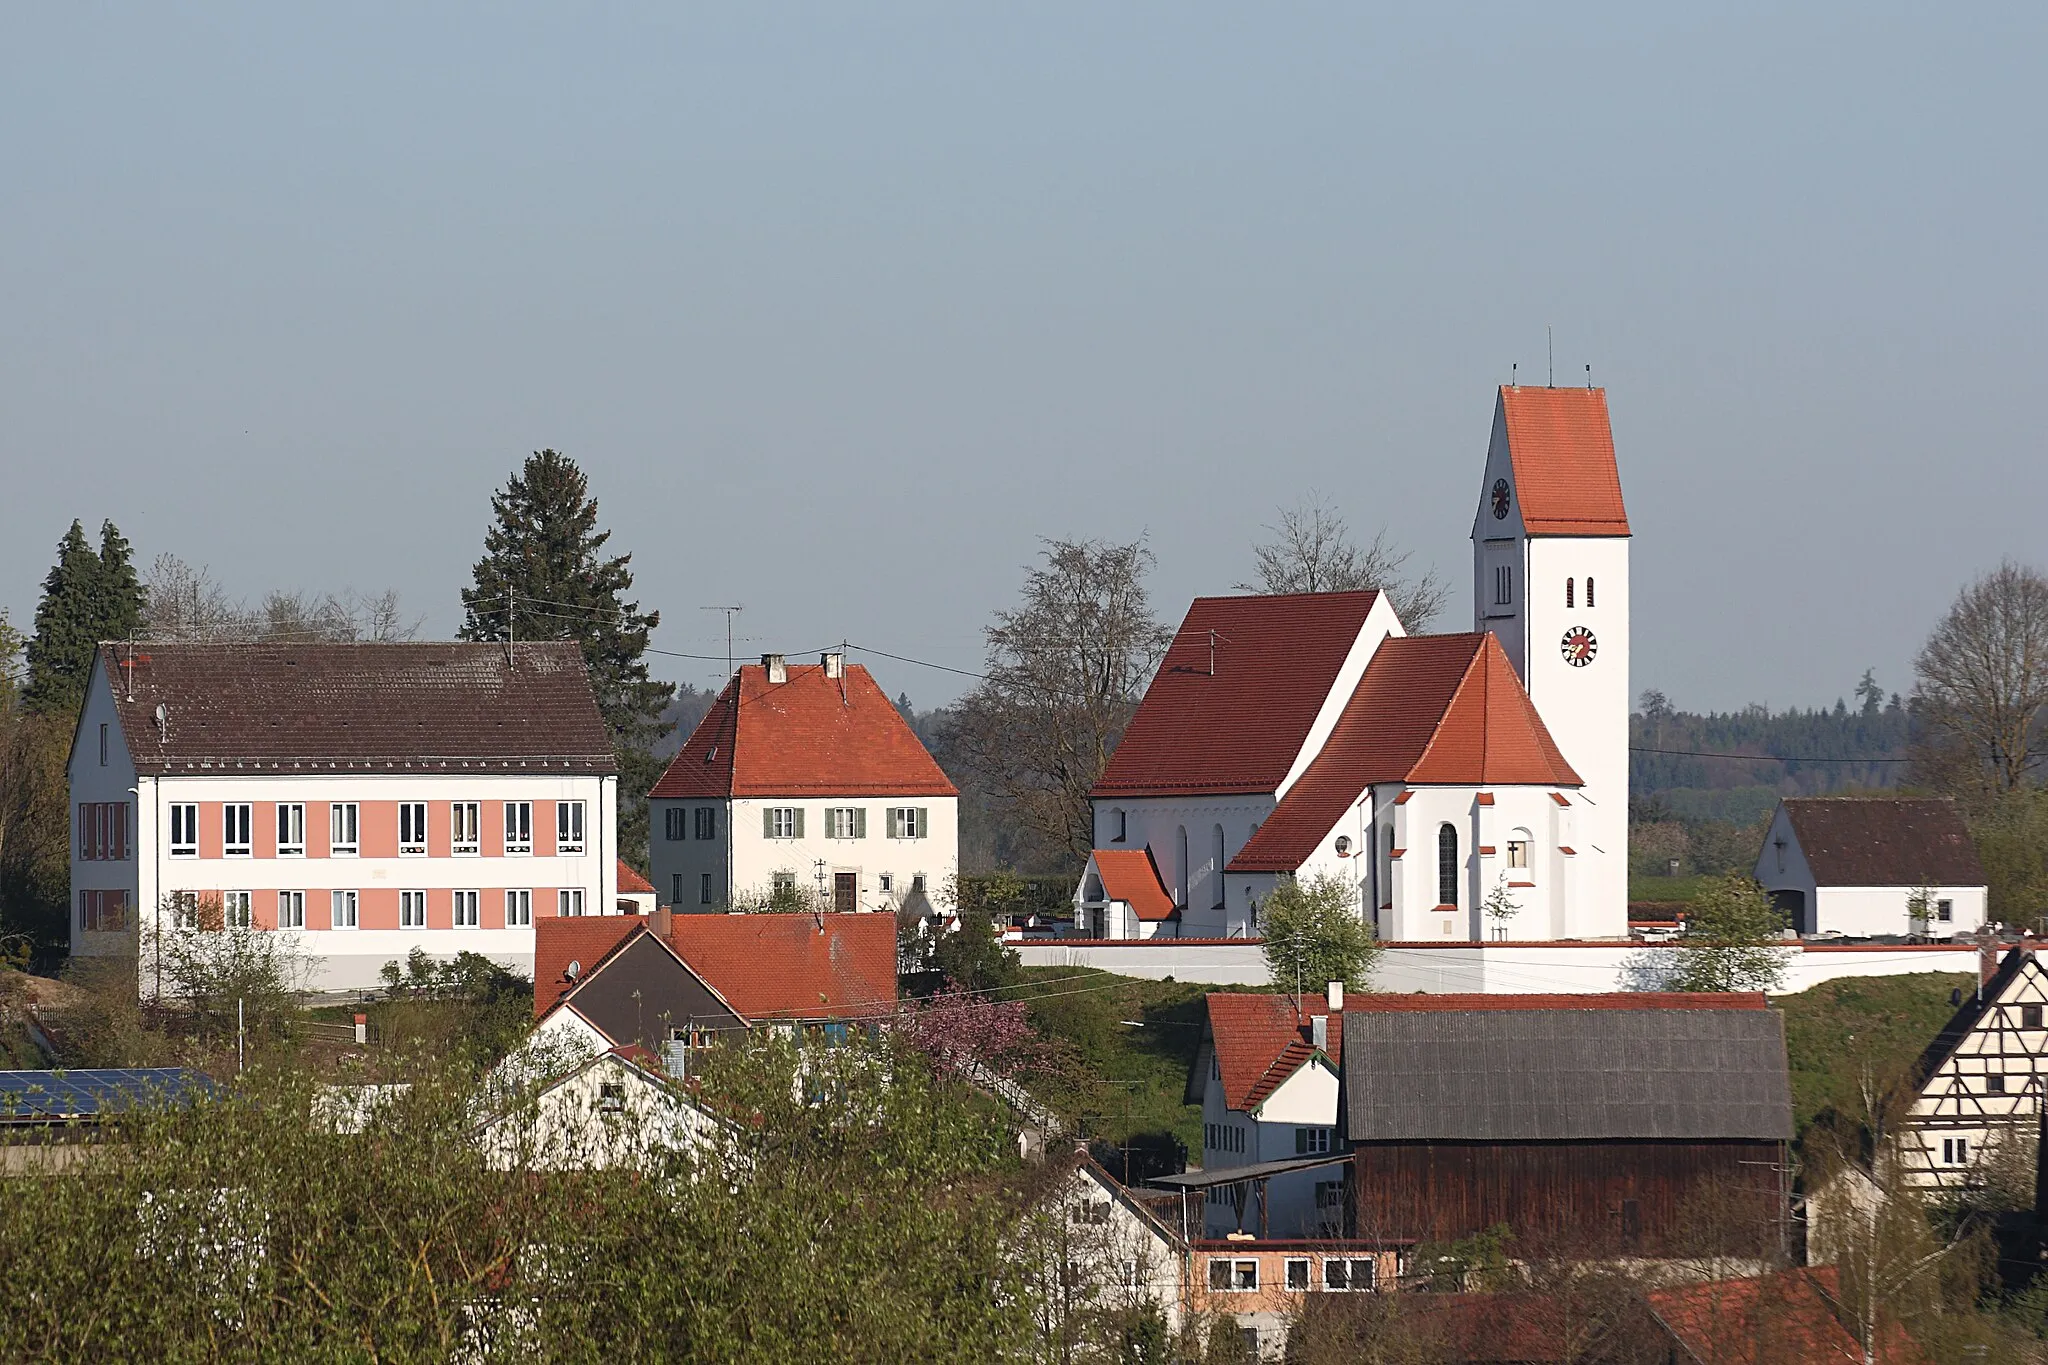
[(1513, 370), (510, 628), (1589, 376), (1550, 344)]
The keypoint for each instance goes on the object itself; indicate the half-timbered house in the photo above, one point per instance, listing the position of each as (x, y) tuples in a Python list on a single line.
[(1980, 1080)]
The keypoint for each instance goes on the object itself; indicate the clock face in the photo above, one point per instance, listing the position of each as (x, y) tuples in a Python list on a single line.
[(1579, 647), (1500, 499)]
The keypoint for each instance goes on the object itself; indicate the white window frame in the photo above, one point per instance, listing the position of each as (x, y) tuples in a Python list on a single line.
[(234, 910), (184, 912), (291, 909), (1306, 1269), (1234, 1279), (1312, 1140), (412, 909), (465, 829), (904, 823), (1955, 1151), (519, 909), (569, 827), (569, 902), (518, 829), (345, 909), (412, 829), (466, 910), (1349, 1274), (845, 822), (781, 881), (1944, 912), (344, 829), (782, 822), (184, 825), (232, 814), (291, 829)]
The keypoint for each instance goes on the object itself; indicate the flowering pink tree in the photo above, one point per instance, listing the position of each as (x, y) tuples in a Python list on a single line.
[(972, 1035)]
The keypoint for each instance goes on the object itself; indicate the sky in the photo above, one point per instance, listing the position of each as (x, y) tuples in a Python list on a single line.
[(844, 308)]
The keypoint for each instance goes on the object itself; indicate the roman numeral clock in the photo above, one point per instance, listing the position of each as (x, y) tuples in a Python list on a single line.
[(1578, 647)]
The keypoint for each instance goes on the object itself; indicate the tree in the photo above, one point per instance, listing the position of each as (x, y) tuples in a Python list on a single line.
[(545, 576), (1500, 904), (1870, 694), (1312, 551), (1732, 940), (1065, 670), (67, 626), (1982, 676), (186, 603), (1314, 934), (973, 958)]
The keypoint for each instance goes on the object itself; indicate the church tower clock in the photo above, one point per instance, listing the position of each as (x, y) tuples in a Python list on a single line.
[(1550, 578)]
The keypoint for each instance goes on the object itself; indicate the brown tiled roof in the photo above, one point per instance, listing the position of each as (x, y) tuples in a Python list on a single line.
[(1561, 447), (813, 735), (1238, 728), (381, 708), (1431, 709), (1884, 841), (1130, 875), (1259, 1041), (793, 966), (1761, 1321)]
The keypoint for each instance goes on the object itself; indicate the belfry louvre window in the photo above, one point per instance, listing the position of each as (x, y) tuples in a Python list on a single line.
[(1503, 585), (1447, 865), (1589, 590)]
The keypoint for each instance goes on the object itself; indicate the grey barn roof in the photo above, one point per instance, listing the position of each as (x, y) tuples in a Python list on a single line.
[(1565, 1075)]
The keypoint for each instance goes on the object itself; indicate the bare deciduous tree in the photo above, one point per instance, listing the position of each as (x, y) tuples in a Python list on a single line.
[(188, 603), (1065, 670), (1312, 551), (1983, 674)]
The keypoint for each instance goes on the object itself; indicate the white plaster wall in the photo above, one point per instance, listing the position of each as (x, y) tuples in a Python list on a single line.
[(756, 860), (1781, 866), (1865, 911), (1155, 822), (564, 1128)]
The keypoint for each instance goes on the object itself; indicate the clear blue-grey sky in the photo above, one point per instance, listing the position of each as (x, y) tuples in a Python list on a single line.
[(842, 307)]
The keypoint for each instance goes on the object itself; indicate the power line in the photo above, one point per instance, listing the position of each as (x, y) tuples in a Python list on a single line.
[(1759, 758)]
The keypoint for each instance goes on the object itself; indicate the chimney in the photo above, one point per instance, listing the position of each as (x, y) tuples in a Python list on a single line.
[(835, 663), (1987, 958), (659, 921), (777, 669), (1334, 992), (1319, 1031)]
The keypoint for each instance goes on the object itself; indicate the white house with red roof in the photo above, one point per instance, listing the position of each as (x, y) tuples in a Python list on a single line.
[(804, 778), (1266, 1074), (1467, 786)]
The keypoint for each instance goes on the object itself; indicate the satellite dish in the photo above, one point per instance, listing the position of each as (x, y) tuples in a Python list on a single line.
[(163, 721), (573, 970)]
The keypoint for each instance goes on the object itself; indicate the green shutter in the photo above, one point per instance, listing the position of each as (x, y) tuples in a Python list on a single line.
[(924, 823), (797, 815), (768, 822), (894, 831), (860, 822)]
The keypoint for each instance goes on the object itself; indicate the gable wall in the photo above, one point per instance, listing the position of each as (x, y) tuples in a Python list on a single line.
[(1957, 1103)]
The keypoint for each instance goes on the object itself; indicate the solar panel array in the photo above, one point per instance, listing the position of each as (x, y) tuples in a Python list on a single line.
[(40, 1096)]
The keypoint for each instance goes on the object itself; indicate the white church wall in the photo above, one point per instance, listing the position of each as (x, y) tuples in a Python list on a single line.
[(1380, 622), (1158, 823)]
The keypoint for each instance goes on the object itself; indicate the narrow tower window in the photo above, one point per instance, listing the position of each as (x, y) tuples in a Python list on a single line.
[(1589, 590), (1447, 865), (1567, 594)]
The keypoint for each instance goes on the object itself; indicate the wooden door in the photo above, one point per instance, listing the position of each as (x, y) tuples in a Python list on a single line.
[(844, 892)]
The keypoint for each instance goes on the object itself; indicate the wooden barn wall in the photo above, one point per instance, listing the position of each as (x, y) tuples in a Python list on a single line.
[(1643, 1196)]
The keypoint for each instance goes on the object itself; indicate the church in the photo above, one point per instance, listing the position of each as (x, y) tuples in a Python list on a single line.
[(1471, 786)]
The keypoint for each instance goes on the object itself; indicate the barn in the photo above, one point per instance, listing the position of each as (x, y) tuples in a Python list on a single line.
[(1647, 1132)]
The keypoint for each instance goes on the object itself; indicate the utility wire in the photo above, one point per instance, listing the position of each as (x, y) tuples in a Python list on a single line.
[(1759, 758)]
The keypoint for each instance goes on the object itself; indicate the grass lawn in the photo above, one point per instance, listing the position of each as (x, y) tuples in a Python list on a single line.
[(1142, 1070), (1842, 1030)]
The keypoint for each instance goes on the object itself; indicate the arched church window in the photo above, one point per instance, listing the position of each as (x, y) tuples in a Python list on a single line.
[(1447, 865), (1180, 880), (1218, 899), (1568, 593), (1589, 590)]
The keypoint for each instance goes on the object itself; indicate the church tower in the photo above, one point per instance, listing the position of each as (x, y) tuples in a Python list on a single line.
[(1550, 578)]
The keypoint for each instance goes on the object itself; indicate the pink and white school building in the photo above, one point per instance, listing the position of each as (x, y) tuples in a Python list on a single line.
[(366, 798)]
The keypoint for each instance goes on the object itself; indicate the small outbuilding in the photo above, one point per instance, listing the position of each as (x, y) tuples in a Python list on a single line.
[(1866, 866)]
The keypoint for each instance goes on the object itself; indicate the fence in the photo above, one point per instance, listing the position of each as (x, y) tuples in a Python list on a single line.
[(1484, 968)]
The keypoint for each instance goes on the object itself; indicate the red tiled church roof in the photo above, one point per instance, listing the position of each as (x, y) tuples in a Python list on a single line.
[(1130, 875), (1260, 1041), (767, 967), (1430, 710), (814, 735), (1239, 727), (1561, 446)]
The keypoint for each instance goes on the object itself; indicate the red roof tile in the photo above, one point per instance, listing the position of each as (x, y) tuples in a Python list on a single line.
[(583, 939), (1430, 709), (812, 735), (387, 708), (793, 966), (1260, 1042), (632, 883), (1238, 728), (1561, 446), (1786, 1316), (1130, 875)]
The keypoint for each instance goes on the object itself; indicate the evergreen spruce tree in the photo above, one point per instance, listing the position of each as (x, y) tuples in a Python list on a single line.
[(121, 593), (545, 577), (67, 627)]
